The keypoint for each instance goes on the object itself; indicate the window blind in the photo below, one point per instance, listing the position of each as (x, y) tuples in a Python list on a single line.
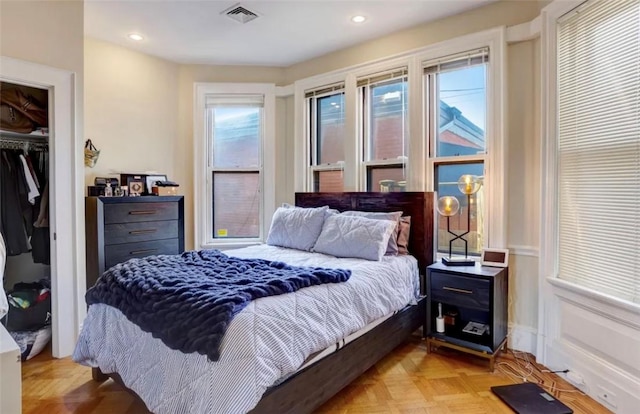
[(325, 90), (599, 148), (400, 73), (460, 60), (233, 100)]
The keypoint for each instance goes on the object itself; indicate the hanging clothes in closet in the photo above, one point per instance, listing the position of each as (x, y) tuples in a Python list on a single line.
[(24, 215)]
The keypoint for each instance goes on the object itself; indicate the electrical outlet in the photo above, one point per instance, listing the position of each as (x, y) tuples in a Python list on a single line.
[(607, 397), (575, 378)]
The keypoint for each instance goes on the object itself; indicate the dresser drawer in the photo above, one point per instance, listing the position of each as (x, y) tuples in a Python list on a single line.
[(139, 232), (137, 212), (461, 290), (118, 253)]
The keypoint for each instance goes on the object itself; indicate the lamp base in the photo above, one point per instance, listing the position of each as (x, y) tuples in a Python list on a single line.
[(447, 261)]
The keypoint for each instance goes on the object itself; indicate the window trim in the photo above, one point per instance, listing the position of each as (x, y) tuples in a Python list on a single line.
[(202, 180)]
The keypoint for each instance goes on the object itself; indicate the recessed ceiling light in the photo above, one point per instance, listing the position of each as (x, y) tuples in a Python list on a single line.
[(135, 36), (358, 19)]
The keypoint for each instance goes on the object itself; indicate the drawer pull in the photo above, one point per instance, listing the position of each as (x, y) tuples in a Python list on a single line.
[(135, 232), (142, 212), (142, 251), (465, 291)]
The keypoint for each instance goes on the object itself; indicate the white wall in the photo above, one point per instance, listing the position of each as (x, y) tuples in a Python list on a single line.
[(131, 110)]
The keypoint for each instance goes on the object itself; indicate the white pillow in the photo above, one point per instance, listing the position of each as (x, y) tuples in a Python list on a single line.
[(296, 228), (353, 236), (392, 246)]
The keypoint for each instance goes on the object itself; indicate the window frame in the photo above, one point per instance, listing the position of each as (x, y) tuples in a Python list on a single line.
[(419, 176), (312, 135), (203, 180), (432, 108), (364, 121)]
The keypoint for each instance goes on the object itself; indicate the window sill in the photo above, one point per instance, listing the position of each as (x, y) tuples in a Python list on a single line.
[(595, 295), (230, 244)]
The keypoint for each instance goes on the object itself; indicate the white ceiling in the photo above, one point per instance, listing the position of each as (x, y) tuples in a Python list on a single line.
[(285, 33)]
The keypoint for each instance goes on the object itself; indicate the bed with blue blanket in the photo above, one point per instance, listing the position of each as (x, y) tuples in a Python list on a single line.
[(233, 331)]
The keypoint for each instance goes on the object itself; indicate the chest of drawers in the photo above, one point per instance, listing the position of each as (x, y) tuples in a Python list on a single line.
[(121, 228)]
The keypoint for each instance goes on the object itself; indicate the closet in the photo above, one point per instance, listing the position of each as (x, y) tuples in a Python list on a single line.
[(24, 187)]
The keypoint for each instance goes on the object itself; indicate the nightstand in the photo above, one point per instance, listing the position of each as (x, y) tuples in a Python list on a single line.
[(474, 304)]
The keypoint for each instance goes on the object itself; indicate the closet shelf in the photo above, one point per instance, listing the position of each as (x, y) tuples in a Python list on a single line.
[(37, 135)]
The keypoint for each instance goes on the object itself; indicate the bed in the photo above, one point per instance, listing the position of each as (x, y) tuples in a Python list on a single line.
[(301, 389)]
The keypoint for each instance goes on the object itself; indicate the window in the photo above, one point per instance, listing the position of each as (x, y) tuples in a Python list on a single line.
[(383, 108), (326, 132), (598, 148), (456, 118), (234, 155)]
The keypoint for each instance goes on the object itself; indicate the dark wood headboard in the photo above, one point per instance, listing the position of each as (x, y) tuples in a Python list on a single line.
[(415, 204)]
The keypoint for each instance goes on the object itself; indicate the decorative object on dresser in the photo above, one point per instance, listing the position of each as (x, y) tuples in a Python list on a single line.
[(449, 206), (477, 296), (135, 182), (122, 228), (495, 257)]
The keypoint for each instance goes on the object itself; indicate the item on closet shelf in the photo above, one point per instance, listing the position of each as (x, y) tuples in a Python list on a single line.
[(91, 154), (20, 113)]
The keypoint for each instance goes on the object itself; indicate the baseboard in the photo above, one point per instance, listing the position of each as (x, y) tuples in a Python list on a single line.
[(522, 338), (615, 389)]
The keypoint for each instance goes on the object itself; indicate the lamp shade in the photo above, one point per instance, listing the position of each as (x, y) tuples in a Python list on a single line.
[(448, 206), (469, 184)]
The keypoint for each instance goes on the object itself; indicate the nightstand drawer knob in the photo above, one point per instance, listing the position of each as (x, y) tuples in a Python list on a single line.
[(465, 291)]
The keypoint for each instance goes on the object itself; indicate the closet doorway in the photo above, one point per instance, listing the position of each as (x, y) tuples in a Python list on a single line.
[(66, 183)]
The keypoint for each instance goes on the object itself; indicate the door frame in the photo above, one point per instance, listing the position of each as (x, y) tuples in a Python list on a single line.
[(66, 211)]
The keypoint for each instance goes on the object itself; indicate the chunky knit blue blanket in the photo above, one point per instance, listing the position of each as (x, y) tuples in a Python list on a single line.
[(188, 300)]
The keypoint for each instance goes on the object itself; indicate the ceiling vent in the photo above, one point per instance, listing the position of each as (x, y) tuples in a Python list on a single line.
[(239, 13)]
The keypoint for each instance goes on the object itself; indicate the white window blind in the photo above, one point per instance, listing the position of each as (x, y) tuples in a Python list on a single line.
[(599, 147)]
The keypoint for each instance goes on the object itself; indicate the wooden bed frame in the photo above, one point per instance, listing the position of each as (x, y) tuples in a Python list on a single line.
[(309, 388)]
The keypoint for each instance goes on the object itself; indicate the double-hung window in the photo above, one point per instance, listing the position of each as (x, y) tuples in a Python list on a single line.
[(456, 109), (383, 110), (234, 163), (326, 131)]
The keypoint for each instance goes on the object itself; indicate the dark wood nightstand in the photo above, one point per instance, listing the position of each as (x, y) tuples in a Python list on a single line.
[(476, 294)]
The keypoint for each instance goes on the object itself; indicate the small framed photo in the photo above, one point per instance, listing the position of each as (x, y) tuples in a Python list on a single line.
[(151, 181), (495, 257)]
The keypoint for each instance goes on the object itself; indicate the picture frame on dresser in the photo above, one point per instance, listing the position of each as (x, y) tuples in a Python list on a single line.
[(495, 257)]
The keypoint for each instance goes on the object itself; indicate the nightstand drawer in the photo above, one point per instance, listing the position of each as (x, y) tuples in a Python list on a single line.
[(136, 212), (119, 253), (139, 232), (461, 290)]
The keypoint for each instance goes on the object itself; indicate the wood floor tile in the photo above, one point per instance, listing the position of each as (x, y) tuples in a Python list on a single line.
[(408, 381)]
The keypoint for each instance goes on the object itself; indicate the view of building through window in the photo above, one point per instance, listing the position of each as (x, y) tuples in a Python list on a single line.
[(461, 118), (329, 151), (236, 135)]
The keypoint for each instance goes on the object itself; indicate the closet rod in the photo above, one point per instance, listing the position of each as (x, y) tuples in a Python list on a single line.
[(29, 143)]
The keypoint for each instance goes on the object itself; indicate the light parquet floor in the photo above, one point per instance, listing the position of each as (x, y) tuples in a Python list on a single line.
[(407, 381)]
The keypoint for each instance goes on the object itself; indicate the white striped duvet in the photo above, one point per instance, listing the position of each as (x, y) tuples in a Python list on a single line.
[(267, 340)]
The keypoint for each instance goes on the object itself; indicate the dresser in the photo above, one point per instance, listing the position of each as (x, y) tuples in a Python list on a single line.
[(122, 228), (474, 307)]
